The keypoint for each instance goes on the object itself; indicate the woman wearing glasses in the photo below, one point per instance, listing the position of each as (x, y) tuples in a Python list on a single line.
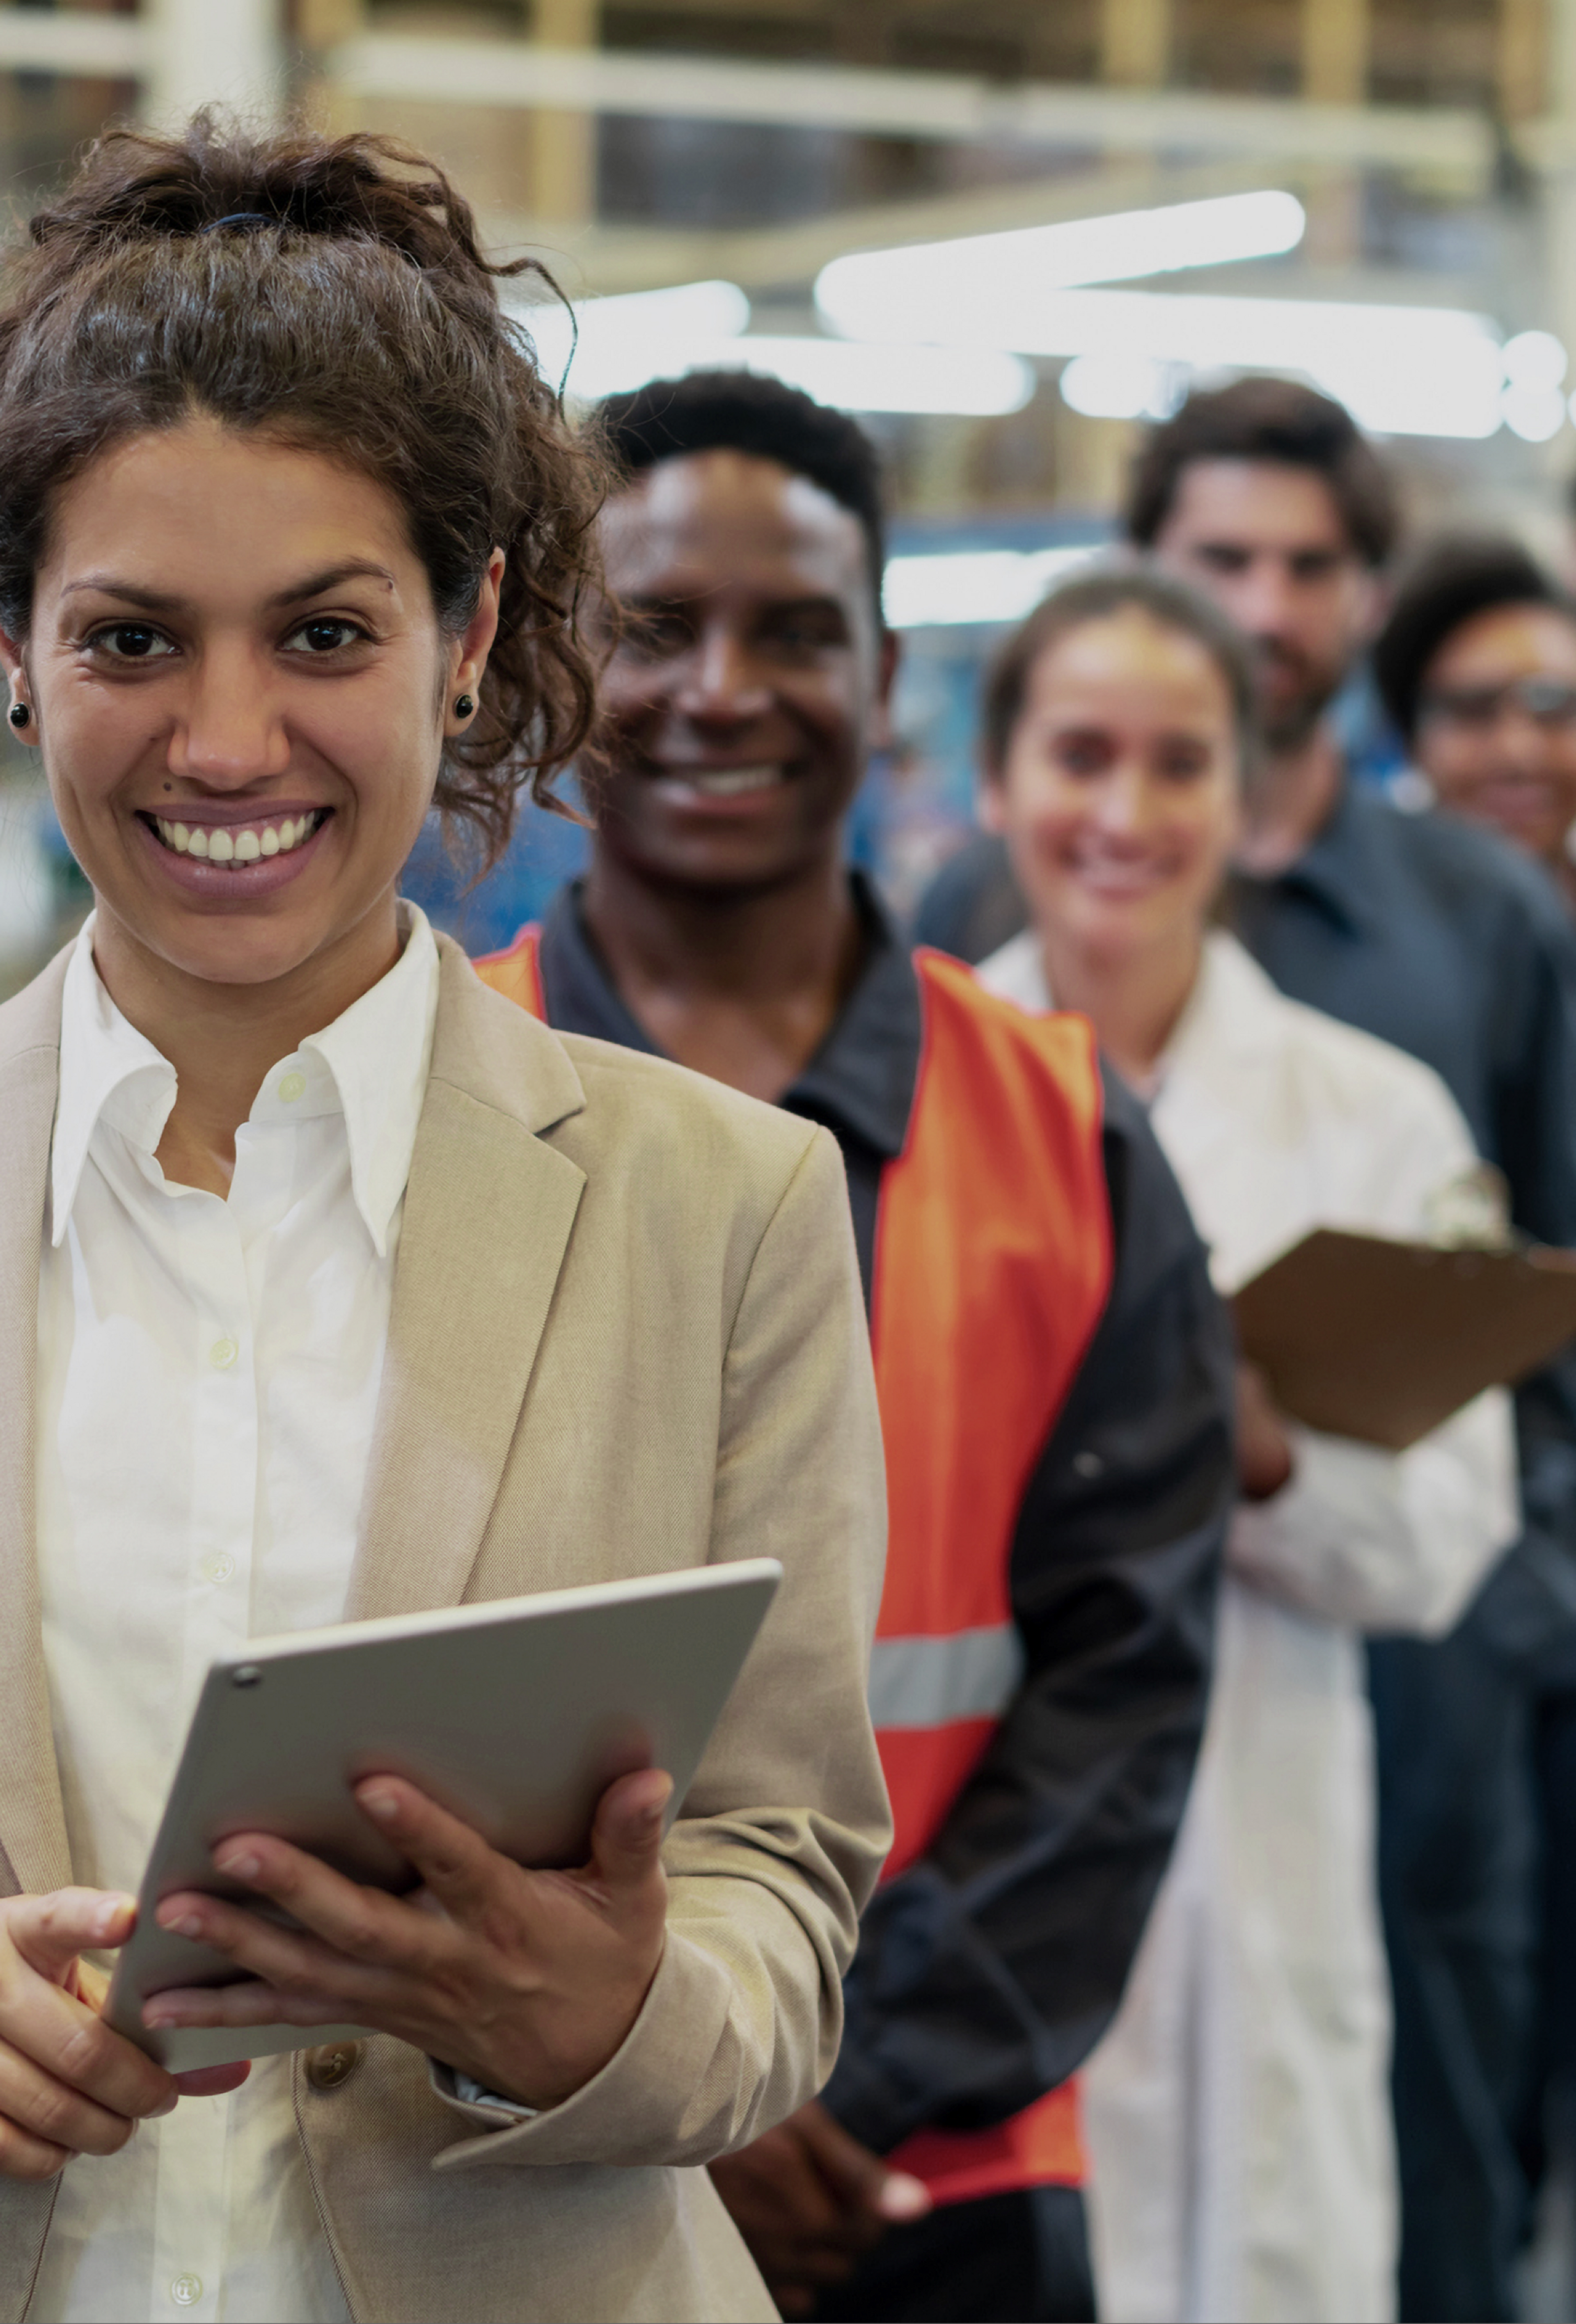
[(1476, 667)]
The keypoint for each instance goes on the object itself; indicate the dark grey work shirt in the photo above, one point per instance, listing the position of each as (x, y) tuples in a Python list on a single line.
[(988, 1971), (1439, 938)]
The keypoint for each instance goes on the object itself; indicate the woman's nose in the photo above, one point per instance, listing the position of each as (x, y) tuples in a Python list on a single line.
[(229, 731)]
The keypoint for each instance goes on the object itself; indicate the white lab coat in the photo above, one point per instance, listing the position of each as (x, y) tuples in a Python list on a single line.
[(1236, 2114)]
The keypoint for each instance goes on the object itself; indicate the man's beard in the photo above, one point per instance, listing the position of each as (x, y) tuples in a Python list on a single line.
[(1288, 717)]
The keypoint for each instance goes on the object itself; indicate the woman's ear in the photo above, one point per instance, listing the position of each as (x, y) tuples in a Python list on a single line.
[(475, 643), (990, 802), (12, 663)]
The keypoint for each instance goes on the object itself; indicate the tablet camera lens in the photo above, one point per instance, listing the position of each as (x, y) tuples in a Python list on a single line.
[(248, 1674)]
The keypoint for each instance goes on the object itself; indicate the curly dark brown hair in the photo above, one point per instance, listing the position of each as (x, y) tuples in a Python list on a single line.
[(329, 292)]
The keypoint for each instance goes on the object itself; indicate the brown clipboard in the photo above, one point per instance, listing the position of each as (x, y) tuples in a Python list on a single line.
[(1382, 1340)]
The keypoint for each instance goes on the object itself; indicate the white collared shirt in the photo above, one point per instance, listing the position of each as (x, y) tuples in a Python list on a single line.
[(208, 1376)]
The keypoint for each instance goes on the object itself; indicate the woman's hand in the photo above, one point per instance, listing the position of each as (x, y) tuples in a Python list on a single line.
[(1266, 1462), (528, 1980), (810, 2201), (67, 2085)]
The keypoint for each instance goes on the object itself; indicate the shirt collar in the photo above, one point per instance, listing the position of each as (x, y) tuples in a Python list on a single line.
[(1333, 871), (109, 1072), (860, 1081), (371, 1065)]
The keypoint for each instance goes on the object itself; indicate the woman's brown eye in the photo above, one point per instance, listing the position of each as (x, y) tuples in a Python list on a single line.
[(131, 641), (326, 637)]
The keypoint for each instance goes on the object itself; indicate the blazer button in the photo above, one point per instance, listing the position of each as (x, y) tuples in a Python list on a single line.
[(334, 2063)]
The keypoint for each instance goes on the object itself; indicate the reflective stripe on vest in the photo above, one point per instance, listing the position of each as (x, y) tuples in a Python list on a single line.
[(979, 1332), (976, 1341)]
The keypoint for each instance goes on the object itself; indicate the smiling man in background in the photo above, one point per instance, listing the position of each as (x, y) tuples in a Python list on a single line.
[(1054, 1374)]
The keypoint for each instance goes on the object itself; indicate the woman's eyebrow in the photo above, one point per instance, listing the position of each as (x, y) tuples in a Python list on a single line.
[(353, 569), (160, 601), (152, 601)]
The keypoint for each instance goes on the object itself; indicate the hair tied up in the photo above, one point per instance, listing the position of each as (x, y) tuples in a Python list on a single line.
[(240, 217)]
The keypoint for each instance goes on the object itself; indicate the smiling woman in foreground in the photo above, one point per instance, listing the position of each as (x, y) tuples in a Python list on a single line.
[(359, 1291)]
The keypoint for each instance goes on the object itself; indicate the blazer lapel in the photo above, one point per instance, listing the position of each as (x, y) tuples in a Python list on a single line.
[(488, 1215), (32, 1825)]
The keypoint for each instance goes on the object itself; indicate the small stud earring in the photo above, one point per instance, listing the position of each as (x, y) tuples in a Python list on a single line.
[(19, 715), (465, 706)]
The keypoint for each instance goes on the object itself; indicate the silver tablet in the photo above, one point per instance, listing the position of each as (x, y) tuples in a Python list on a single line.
[(515, 1714)]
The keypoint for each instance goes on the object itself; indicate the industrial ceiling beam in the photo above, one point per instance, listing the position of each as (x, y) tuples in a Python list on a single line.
[(1450, 143), (951, 107)]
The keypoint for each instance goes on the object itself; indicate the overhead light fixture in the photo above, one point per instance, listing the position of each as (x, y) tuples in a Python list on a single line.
[(1534, 359), (1401, 371), (1123, 387), (602, 346), (643, 335), (1533, 413), (954, 586), (974, 382), (888, 294)]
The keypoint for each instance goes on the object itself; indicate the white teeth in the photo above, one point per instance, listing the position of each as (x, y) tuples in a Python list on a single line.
[(247, 843), (729, 782)]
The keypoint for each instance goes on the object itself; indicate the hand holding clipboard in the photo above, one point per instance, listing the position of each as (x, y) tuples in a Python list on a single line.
[(1382, 1340)]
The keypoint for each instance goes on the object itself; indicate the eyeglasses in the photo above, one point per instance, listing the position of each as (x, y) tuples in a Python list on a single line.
[(1547, 701)]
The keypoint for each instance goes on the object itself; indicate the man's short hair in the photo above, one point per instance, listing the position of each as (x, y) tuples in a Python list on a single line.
[(1451, 581), (1269, 420), (745, 411)]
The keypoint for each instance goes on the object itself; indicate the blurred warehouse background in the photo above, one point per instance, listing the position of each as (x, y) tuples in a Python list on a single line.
[(1004, 231)]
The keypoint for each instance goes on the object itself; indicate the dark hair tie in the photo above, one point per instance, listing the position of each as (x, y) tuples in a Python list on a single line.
[(241, 218)]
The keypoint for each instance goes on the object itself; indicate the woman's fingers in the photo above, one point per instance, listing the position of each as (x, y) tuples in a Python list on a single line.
[(67, 2042), (55, 2114), (251, 2001), (292, 1977), (457, 1864), (212, 2081), (67, 2085), (360, 1925), (49, 1931), (22, 2156), (626, 1839)]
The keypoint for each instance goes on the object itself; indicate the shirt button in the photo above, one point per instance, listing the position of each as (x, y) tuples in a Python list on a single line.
[(1088, 1464), (186, 2290), (294, 1086), (219, 1566), (334, 2063), (223, 1354)]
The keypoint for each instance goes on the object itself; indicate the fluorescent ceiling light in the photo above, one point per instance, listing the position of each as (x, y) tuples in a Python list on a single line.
[(1123, 387), (1401, 371), (1534, 359), (624, 341), (884, 294), (1533, 413), (974, 382), (973, 584)]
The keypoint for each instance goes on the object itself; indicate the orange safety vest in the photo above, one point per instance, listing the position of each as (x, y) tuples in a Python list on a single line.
[(976, 1341)]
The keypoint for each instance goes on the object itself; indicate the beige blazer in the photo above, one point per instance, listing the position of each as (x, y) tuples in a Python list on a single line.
[(626, 1336)]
